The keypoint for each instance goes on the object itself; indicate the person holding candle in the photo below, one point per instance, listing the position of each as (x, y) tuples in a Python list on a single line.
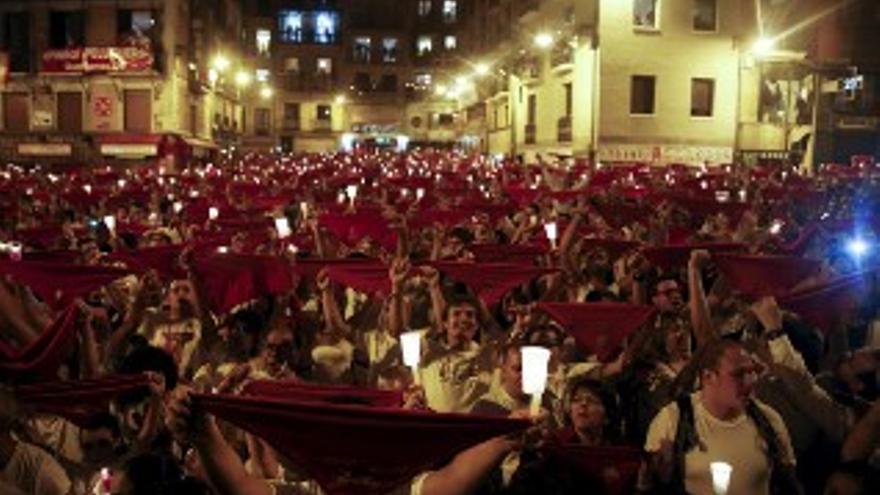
[(720, 422)]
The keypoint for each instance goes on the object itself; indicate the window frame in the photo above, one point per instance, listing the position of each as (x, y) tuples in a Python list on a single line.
[(716, 23), (632, 99), (711, 81), (658, 14)]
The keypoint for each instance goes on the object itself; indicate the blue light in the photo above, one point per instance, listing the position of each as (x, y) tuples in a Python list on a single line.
[(858, 247)]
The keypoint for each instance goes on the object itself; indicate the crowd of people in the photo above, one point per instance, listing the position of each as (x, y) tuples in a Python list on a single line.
[(242, 327)]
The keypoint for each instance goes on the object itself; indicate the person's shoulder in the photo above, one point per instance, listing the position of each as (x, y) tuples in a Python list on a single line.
[(771, 414), (487, 407)]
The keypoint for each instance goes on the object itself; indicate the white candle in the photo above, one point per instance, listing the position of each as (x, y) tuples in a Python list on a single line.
[(15, 251), (411, 345), (550, 231), (534, 373), (304, 208), (420, 193), (110, 222), (120, 183), (88, 188), (213, 213), (282, 225), (222, 249), (721, 472), (352, 192), (178, 207)]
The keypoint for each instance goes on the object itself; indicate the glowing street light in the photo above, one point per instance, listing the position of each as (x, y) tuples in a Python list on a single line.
[(243, 79), (340, 99), (220, 63), (763, 46), (266, 92), (440, 90), (481, 69), (543, 40)]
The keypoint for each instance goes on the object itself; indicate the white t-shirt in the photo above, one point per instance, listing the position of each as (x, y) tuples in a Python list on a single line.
[(735, 442), (34, 471), (453, 381)]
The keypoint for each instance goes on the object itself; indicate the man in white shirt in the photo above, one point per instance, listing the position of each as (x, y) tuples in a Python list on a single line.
[(726, 425)]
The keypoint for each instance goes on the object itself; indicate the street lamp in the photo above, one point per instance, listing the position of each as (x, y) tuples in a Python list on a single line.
[(440, 90), (243, 79), (340, 99), (481, 69), (266, 92), (763, 46), (220, 63)]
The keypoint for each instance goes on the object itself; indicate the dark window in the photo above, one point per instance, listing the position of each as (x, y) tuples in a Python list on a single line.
[(362, 82), (16, 40), (532, 109), (323, 112), (641, 99), (67, 29), (70, 112), (135, 24), (291, 116), (138, 110), (262, 121), (702, 97), (16, 114), (388, 83), (705, 15)]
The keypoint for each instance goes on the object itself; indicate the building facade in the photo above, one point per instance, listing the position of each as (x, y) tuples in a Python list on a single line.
[(336, 74), (103, 80)]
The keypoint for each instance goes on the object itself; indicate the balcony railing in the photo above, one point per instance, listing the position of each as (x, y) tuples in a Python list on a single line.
[(563, 129), (322, 125), (290, 124), (530, 133)]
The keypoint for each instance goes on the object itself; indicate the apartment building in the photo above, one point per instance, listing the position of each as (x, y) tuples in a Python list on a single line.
[(104, 80)]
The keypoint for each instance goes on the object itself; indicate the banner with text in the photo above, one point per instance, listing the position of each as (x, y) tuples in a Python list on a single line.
[(98, 59)]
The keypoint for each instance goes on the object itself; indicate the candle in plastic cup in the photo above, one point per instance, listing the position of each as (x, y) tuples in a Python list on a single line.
[(420, 193), (550, 230), (88, 189), (534, 369), (110, 222), (213, 213), (721, 472), (15, 251), (178, 207), (222, 249), (411, 345), (304, 208), (282, 225), (351, 191)]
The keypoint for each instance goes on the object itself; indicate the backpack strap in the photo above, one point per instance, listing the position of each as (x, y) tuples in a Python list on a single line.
[(685, 439), (783, 479)]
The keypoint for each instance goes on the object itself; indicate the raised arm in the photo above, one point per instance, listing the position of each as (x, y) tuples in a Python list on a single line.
[(397, 273), (468, 469), (333, 319), (701, 318)]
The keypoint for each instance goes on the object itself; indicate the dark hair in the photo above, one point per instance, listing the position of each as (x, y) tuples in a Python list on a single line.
[(600, 390), (154, 474), (143, 359), (460, 299), (102, 420)]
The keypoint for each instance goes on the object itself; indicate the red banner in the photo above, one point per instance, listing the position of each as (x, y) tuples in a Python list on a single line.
[(98, 59)]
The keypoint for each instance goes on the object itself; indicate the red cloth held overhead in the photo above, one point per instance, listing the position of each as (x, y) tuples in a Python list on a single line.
[(509, 253), (233, 279), (77, 400), (60, 283), (614, 247), (367, 278), (163, 259), (616, 469), (331, 394), (599, 328), (41, 357), (309, 267), (491, 281), (825, 305), (356, 449), (764, 275), (675, 256), (351, 228)]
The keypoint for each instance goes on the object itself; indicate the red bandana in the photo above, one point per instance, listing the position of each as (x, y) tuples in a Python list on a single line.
[(599, 327), (331, 394), (356, 449), (77, 400), (42, 356), (491, 281), (763, 275)]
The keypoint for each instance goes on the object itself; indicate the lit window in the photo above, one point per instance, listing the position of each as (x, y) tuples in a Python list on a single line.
[(424, 45), (325, 27), (325, 66), (323, 112), (424, 8), (423, 80), (450, 10), (290, 25), (389, 50), (449, 42), (362, 49), (291, 64), (264, 38), (646, 14), (262, 75)]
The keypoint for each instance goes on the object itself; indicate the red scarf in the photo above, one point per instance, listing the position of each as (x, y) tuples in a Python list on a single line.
[(828, 304), (599, 328), (43, 356), (331, 394), (77, 400), (764, 275), (356, 449), (59, 283), (491, 281)]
